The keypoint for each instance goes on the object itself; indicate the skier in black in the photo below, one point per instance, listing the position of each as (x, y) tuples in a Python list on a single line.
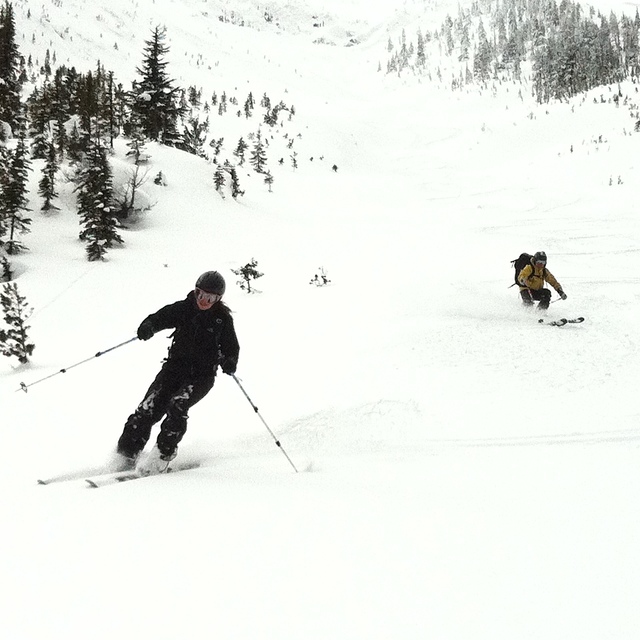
[(203, 339)]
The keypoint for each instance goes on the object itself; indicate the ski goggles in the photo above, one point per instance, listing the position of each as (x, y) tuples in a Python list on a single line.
[(206, 297)]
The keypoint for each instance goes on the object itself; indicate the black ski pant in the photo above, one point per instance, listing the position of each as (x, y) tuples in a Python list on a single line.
[(542, 295), (171, 395)]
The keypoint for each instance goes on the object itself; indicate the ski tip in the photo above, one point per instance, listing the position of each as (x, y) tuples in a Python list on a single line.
[(42, 482), (91, 483)]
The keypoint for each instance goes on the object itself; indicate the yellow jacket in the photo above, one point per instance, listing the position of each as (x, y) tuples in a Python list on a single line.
[(534, 278)]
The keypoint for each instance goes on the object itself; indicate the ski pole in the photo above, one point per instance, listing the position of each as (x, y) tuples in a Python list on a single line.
[(246, 395), (25, 387)]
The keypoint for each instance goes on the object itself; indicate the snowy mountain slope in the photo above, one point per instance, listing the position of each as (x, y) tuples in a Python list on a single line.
[(464, 472)]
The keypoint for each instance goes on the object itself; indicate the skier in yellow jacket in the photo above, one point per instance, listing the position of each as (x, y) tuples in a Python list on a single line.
[(532, 279)]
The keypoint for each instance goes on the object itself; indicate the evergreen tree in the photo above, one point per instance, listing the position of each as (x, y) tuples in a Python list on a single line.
[(629, 36), (14, 341), (47, 184), (60, 117), (39, 116), (219, 179), (4, 180), (482, 59), (249, 105), (258, 158), (95, 204), (136, 144), (10, 85), (14, 197), (240, 149), (216, 145), (110, 109), (155, 99), (421, 59), (75, 145), (94, 105), (194, 136), (448, 34), (235, 183), (247, 274), (513, 50), (122, 110), (268, 179), (5, 267)]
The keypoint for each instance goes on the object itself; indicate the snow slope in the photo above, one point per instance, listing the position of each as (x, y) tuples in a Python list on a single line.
[(464, 473)]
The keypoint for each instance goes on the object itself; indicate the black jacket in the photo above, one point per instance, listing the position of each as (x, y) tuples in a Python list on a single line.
[(202, 340)]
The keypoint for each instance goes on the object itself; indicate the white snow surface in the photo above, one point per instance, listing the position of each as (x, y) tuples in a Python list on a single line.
[(463, 472)]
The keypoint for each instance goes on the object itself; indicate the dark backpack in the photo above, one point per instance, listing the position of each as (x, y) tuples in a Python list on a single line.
[(519, 264)]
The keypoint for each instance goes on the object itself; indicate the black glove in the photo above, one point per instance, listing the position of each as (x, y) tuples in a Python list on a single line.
[(228, 365), (562, 294), (145, 330)]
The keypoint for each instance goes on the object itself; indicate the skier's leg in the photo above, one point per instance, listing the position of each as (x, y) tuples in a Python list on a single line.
[(174, 426), (525, 294), (137, 428), (545, 298)]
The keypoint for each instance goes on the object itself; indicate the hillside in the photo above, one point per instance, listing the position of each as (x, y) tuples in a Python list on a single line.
[(464, 472)]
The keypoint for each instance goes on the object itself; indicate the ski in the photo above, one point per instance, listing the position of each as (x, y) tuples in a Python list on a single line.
[(553, 323), (561, 322), (106, 479), (74, 475)]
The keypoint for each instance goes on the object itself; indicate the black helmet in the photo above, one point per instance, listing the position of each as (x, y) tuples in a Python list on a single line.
[(540, 256), (211, 282)]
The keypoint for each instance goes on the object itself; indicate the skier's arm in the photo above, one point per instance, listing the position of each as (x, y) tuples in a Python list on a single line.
[(229, 348), (165, 318), (555, 284), (523, 278)]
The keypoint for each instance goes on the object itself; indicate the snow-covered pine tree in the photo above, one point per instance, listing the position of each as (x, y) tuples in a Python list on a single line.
[(14, 341), (95, 204), (483, 55), (47, 184), (216, 145), (249, 105), (93, 105), (268, 179), (258, 158), (421, 59), (5, 266), (4, 173), (194, 136), (155, 100), (75, 146), (239, 151), (39, 116), (235, 183), (14, 190), (10, 84), (219, 179), (137, 149)]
